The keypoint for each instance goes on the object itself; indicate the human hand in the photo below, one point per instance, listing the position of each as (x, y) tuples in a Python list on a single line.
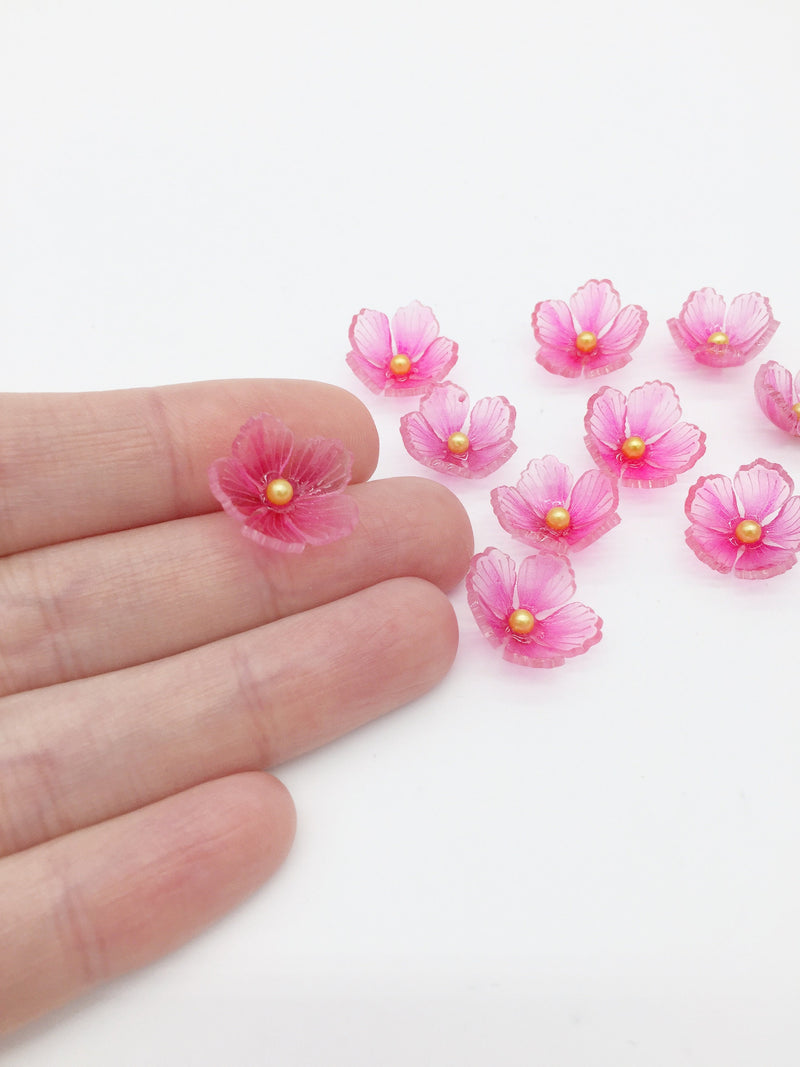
[(153, 662)]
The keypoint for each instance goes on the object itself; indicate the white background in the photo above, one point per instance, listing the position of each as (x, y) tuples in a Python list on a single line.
[(594, 866)]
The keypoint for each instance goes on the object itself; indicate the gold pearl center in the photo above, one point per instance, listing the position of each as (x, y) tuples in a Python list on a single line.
[(521, 621), (748, 532), (458, 443), (717, 338), (586, 342), (557, 518), (633, 447), (796, 409), (279, 492), (400, 365)]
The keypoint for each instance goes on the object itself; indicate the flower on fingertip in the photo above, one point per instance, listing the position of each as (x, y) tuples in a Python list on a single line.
[(287, 494), (445, 436), (591, 335), (545, 509), (779, 397), (640, 438), (749, 525), (719, 335), (531, 616), (405, 359)]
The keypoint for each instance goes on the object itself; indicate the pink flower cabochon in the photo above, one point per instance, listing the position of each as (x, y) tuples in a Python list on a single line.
[(592, 335), (530, 616), (547, 511), (779, 397), (406, 359), (447, 438), (287, 494), (640, 438), (749, 525), (722, 336)]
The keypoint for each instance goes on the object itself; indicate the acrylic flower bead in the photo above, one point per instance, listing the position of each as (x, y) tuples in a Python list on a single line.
[(287, 494), (547, 511), (445, 436), (405, 360), (721, 336), (750, 525), (641, 438), (779, 397), (592, 335), (529, 616)]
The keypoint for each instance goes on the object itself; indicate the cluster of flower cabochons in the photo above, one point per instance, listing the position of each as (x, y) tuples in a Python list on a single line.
[(289, 494)]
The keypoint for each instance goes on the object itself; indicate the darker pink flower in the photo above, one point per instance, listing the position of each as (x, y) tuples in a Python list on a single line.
[(529, 616), (750, 525), (446, 437), (779, 397), (720, 336), (287, 494), (640, 438), (416, 360), (546, 510), (592, 335)]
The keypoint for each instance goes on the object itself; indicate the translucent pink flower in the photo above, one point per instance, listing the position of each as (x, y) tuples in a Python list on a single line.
[(779, 397), (287, 494), (750, 525), (446, 437), (641, 438), (721, 336), (410, 364), (592, 335), (546, 510), (529, 616)]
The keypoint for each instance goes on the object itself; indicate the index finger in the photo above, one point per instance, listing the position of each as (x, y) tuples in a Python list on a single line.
[(77, 464)]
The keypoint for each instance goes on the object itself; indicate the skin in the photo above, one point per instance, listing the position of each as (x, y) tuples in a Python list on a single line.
[(153, 664)]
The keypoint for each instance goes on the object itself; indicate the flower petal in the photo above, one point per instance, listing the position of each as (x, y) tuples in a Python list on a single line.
[(546, 581), (445, 408), (671, 454), (370, 337), (749, 324), (415, 328), (592, 509), (568, 362), (517, 517), (652, 409), (234, 488), (702, 314), (625, 333), (273, 529), (377, 379), (762, 488), (490, 592), (421, 440), (553, 325), (605, 427), (784, 530), (764, 561), (319, 465), (594, 305), (569, 631), (773, 389), (319, 520), (717, 550), (434, 363), (491, 423), (711, 504), (263, 445)]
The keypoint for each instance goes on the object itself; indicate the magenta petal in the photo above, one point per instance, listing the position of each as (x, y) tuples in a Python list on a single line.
[(414, 328), (592, 509), (677, 450), (605, 427), (784, 530), (569, 631), (594, 305), (567, 362), (553, 325), (762, 488), (517, 517), (263, 445), (376, 379), (370, 337), (435, 362), (702, 314), (445, 408), (773, 389), (749, 324), (625, 333), (717, 550), (320, 520), (319, 465), (490, 592), (491, 422), (545, 483), (652, 409), (275, 530), (234, 488), (546, 581), (421, 440), (711, 503), (764, 561)]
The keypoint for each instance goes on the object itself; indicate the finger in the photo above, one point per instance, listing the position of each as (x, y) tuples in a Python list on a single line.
[(73, 465), (160, 590), (75, 754), (105, 900)]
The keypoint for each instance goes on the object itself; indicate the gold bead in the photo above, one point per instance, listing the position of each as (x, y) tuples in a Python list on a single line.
[(633, 448), (279, 492), (400, 365), (458, 443), (718, 338), (748, 532), (796, 409), (557, 518), (586, 342), (521, 621)]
